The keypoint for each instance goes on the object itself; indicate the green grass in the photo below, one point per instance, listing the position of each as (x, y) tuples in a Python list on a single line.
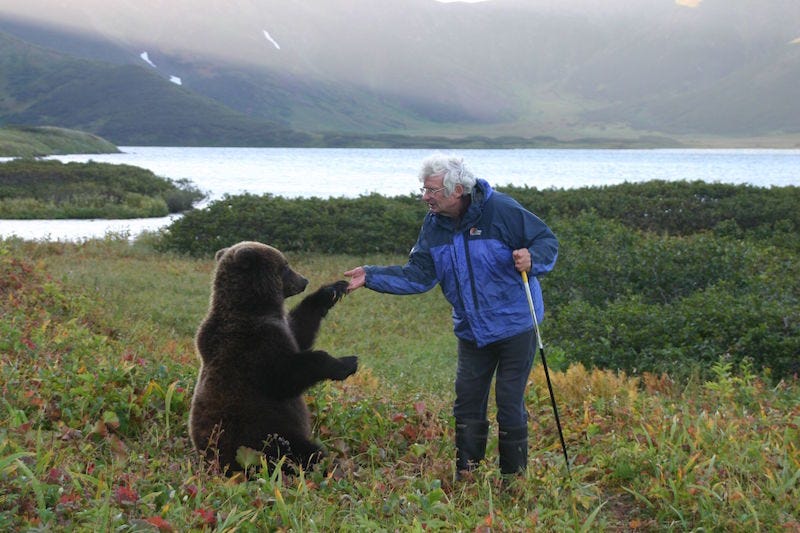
[(97, 368), (33, 141)]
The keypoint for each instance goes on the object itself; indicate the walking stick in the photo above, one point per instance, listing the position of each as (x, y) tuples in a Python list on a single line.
[(544, 365)]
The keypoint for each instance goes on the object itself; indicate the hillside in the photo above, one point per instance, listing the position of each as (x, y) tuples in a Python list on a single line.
[(22, 141), (123, 103), (720, 68)]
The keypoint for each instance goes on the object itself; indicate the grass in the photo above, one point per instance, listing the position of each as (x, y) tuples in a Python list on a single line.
[(97, 367), (36, 141)]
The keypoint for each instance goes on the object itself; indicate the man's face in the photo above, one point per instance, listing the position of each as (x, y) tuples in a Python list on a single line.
[(438, 202)]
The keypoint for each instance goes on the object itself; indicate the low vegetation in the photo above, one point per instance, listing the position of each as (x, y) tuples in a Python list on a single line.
[(36, 141), (672, 340), (97, 369), (658, 277), (51, 190)]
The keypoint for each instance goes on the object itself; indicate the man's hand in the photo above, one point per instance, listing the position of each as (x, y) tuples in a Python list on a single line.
[(522, 260), (358, 278)]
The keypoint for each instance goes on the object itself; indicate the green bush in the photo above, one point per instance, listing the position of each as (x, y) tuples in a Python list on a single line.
[(650, 277), (676, 208), (369, 224), (51, 189), (376, 223), (683, 337)]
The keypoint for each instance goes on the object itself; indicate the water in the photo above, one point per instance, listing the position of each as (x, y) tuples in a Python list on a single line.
[(329, 172)]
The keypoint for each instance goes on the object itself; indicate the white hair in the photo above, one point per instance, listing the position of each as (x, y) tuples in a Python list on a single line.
[(452, 170)]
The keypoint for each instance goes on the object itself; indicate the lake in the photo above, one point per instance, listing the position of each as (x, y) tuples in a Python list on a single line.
[(346, 172)]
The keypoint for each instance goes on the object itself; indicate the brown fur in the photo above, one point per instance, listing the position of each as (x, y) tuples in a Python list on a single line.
[(256, 359)]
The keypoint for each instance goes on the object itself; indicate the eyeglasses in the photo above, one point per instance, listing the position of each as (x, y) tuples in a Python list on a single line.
[(428, 190)]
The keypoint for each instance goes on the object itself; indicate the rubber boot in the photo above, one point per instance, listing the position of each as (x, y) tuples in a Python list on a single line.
[(513, 448), (471, 438)]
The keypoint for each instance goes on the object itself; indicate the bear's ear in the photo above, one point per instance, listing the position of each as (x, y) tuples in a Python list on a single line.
[(247, 257), (219, 254)]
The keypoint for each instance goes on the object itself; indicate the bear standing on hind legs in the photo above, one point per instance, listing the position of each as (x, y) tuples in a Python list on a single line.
[(256, 359)]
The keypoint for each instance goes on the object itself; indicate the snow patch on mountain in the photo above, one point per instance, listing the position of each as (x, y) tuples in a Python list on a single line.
[(146, 58), (270, 39), (176, 80)]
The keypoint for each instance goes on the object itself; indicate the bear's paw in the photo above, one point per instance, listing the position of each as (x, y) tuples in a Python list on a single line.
[(345, 367)]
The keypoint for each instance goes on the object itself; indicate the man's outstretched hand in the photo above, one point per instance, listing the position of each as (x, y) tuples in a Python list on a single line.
[(358, 278)]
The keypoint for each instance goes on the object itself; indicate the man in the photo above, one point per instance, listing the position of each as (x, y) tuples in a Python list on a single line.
[(475, 242)]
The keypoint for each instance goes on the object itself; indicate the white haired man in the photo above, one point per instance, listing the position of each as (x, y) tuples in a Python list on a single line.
[(474, 243)]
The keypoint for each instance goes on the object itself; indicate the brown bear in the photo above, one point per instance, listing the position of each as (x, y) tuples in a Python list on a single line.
[(256, 360)]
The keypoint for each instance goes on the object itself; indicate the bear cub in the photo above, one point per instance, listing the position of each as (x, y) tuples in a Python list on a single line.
[(257, 359)]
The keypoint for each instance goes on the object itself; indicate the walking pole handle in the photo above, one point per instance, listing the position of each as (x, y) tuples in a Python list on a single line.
[(533, 310)]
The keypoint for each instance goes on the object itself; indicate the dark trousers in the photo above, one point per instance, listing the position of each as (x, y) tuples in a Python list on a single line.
[(510, 359)]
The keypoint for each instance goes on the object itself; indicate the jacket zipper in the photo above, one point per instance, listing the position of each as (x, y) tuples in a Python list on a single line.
[(469, 271)]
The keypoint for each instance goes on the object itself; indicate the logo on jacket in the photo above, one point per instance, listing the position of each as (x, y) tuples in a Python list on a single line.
[(474, 232)]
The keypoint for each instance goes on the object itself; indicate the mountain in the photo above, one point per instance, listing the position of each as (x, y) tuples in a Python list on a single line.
[(568, 68), (123, 103)]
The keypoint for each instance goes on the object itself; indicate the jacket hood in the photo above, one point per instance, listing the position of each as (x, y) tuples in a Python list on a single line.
[(480, 194)]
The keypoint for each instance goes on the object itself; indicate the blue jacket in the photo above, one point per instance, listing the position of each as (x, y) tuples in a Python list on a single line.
[(474, 266)]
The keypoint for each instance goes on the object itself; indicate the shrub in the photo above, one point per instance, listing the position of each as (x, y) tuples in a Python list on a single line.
[(368, 224), (650, 277), (676, 208), (51, 189)]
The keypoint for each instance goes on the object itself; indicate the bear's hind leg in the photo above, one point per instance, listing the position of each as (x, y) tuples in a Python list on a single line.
[(305, 453), (296, 453)]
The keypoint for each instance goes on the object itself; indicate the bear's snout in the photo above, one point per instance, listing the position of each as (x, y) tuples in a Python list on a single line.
[(293, 283)]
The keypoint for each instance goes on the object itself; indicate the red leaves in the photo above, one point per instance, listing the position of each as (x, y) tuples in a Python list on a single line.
[(202, 517), (29, 344), (485, 526), (191, 490), (206, 517), (33, 398), (14, 275), (423, 426), (69, 500), (125, 496), (130, 357), (410, 432), (160, 523), (57, 476)]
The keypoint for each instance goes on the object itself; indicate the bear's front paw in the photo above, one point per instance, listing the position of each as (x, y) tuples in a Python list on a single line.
[(330, 294), (347, 367)]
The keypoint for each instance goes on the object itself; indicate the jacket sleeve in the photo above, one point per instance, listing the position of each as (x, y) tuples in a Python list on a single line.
[(542, 244), (416, 276), (526, 230)]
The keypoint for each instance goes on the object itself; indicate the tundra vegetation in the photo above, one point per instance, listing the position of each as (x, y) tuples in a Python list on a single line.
[(672, 335), (32, 188), (37, 141)]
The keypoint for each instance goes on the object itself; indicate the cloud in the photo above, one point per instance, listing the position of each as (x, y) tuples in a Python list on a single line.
[(176, 80)]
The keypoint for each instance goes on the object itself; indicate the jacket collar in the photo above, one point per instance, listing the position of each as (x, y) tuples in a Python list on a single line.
[(481, 193)]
